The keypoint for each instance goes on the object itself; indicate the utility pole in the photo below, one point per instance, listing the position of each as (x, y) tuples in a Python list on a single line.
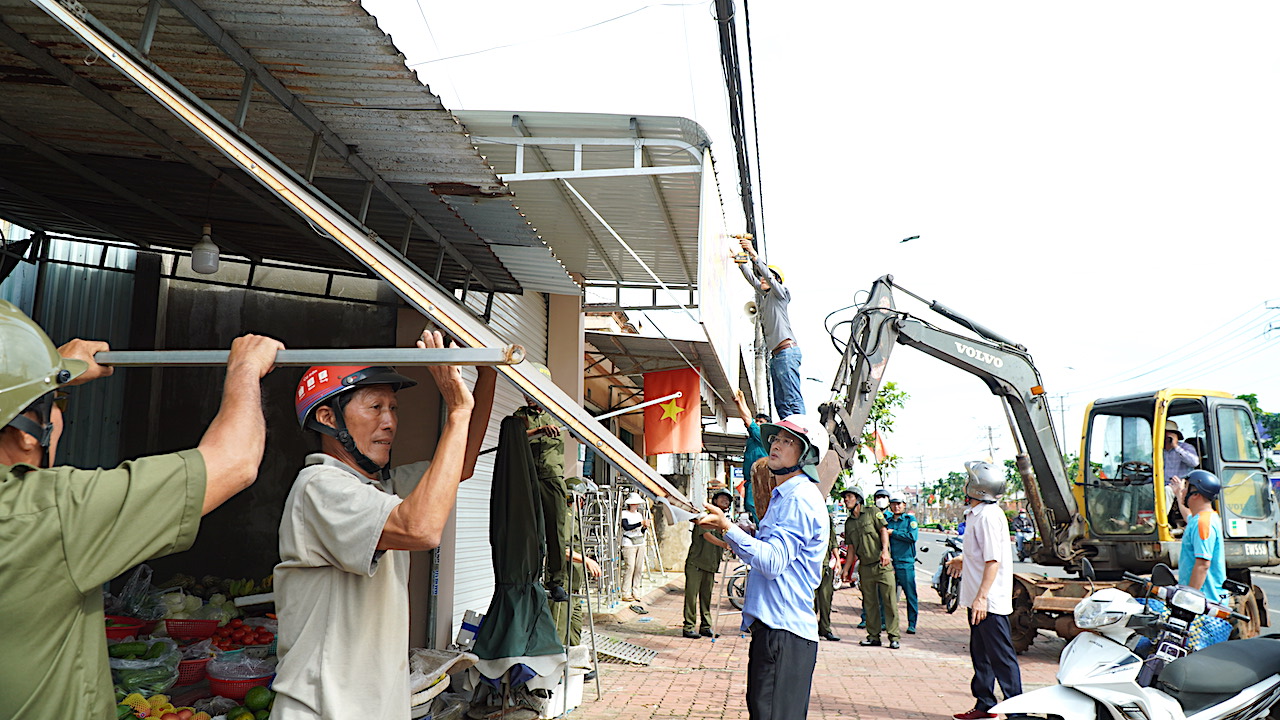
[(991, 443), (1062, 412)]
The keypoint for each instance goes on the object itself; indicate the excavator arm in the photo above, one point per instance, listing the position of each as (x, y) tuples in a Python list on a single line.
[(1005, 367)]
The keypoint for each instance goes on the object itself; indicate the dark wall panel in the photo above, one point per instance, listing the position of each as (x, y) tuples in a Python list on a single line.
[(240, 539)]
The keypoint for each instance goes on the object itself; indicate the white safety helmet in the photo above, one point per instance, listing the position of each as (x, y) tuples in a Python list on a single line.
[(810, 432)]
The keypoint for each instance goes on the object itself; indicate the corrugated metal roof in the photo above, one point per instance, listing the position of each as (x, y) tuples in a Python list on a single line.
[(57, 144), (658, 216), (635, 355)]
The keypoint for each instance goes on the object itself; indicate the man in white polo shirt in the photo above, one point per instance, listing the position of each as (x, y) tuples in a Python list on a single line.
[(342, 583), (986, 588)]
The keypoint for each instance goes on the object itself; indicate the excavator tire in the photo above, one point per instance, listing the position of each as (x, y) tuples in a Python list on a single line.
[(1022, 623), (1247, 604)]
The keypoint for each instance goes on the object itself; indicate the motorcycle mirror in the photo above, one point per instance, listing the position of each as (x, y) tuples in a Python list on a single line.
[(1161, 575), (1086, 570), (1235, 588)]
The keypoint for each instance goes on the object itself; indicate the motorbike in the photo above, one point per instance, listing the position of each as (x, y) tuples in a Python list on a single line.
[(1022, 540), (948, 587), (1101, 675)]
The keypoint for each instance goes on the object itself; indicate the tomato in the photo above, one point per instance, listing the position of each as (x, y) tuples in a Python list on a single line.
[(236, 623), (269, 637)]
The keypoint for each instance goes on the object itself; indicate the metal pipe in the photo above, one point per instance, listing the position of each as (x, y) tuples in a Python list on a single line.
[(509, 355), (591, 617), (633, 408)]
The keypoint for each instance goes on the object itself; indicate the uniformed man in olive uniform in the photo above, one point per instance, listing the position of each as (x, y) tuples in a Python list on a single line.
[(827, 589), (560, 611), (64, 533), (706, 550), (868, 537), (548, 458)]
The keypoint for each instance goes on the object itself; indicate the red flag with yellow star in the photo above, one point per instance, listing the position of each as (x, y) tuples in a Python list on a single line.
[(675, 425)]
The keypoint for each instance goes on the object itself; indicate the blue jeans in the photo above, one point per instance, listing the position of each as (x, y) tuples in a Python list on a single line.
[(784, 373), (905, 575)]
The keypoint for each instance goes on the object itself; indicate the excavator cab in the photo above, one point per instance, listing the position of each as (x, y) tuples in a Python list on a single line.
[(1133, 445)]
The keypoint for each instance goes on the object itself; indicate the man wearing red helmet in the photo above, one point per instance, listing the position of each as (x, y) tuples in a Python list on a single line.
[(342, 583)]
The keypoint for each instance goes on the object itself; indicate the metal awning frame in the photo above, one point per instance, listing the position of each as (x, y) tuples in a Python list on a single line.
[(323, 137), (255, 73), (642, 165), (638, 165), (407, 280), (170, 268)]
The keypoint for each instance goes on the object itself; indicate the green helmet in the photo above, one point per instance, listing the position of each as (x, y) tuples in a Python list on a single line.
[(30, 366)]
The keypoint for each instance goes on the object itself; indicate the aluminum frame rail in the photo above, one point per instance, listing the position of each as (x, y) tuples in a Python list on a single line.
[(509, 355), (365, 246)]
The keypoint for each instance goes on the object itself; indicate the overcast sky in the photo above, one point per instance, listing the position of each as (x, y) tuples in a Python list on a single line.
[(1097, 181)]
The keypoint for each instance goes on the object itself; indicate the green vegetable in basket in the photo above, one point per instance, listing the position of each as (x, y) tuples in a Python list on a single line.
[(150, 680), (124, 711), (155, 651), (126, 649)]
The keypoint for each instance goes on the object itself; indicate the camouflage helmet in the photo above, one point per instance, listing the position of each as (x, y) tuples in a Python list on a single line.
[(30, 366)]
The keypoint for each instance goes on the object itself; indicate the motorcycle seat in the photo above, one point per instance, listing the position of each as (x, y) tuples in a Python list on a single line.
[(1216, 673)]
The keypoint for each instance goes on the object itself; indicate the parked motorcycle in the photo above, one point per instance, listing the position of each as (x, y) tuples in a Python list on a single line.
[(948, 587), (1101, 676)]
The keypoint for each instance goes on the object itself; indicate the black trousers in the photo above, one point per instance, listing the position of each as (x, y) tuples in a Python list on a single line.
[(779, 673), (994, 660)]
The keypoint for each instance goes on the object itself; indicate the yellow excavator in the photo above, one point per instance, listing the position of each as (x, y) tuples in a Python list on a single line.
[(1115, 515)]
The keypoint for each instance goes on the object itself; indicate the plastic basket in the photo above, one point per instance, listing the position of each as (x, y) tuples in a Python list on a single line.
[(190, 629), (191, 671), (237, 689), (149, 626), (129, 627)]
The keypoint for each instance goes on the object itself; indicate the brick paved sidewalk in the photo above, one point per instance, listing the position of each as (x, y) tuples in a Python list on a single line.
[(705, 680)]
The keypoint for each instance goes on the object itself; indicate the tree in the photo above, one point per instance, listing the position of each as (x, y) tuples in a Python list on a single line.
[(1268, 426), (880, 420), (949, 488), (1072, 462), (1012, 478)]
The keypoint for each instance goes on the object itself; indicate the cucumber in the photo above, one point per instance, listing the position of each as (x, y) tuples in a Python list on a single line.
[(120, 650), (155, 651)]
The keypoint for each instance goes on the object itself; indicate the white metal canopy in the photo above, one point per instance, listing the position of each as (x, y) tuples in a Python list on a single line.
[(573, 173)]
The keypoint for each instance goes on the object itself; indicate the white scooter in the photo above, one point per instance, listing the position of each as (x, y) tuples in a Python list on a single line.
[(1100, 676)]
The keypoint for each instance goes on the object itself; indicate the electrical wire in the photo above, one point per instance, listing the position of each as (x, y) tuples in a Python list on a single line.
[(431, 34), (1213, 365), (542, 39), (755, 129), (1213, 343)]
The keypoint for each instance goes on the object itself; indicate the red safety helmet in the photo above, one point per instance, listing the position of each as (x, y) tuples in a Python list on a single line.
[(328, 384), (321, 382)]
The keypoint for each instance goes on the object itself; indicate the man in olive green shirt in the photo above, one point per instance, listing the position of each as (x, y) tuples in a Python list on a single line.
[(867, 535), (700, 567), (561, 611), (826, 591), (548, 457), (64, 532)]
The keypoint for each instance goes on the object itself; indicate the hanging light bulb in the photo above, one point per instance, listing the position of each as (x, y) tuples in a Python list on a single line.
[(204, 256)]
